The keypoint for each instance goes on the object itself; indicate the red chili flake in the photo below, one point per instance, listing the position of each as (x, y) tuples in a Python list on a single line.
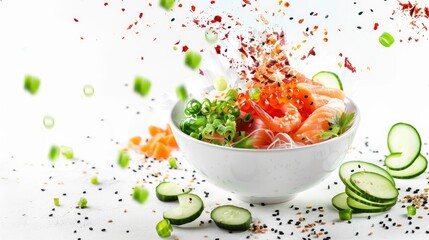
[(106, 3), (348, 65), (406, 6), (303, 57), (376, 26), (180, 5), (212, 2), (76, 20), (141, 15), (183, 25), (196, 21), (193, 8), (287, 4), (301, 20), (340, 54), (217, 48), (426, 10), (177, 42), (185, 48), (325, 39), (311, 52), (123, 9), (247, 2), (130, 26), (217, 18), (142, 58), (201, 72)]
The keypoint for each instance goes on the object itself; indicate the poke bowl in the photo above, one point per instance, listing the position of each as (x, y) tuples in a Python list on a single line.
[(264, 176)]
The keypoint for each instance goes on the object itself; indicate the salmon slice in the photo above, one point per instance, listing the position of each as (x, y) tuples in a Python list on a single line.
[(285, 124), (318, 122), (316, 96)]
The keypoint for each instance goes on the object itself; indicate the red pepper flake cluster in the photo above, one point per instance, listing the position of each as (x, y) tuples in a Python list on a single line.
[(416, 16), (349, 65)]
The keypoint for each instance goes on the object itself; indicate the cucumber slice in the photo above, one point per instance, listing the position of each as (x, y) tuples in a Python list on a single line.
[(339, 201), (328, 79), (190, 208), (231, 218), (418, 167), (359, 207), (402, 138), (361, 199), (168, 191), (373, 186)]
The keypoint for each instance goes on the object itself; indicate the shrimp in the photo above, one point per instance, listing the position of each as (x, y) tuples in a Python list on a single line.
[(289, 122)]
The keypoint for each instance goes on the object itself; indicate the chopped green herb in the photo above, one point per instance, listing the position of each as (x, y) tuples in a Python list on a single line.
[(56, 201), (48, 122), (31, 84), (220, 84), (82, 203), (67, 152), (211, 36), (94, 180), (338, 125), (411, 210), (192, 59), (254, 94), (54, 153), (164, 228), (173, 163), (142, 86), (386, 39), (140, 194), (123, 159), (345, 214), (182, 93), (167, 4), (88, 90), (246, 143)]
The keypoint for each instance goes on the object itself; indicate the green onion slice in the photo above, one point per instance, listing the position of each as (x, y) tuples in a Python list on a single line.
[(48, 121), (82, 203), (67, 152), (386, 39), (173, 163), (56, 201), (411, 210), (54, 153), (220, 84), (140, 194), (211, 36), (31, 84), (123, 159), (167, 4), (88, 90), (182, 93), (142, 86), (254, 94), (345, 214), (164, 228), (192, 59), (94, 180)]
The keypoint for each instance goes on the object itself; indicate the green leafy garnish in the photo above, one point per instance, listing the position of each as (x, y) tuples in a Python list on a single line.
[(339, 125), (246, 143)]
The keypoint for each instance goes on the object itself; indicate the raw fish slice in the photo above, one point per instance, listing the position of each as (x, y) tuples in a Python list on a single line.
[(316, 96), (318, 122)]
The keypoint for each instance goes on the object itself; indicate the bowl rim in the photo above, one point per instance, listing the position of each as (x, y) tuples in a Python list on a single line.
[(350, 131)]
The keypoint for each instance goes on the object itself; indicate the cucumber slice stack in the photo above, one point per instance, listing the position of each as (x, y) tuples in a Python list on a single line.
[(369, 188), (405, 159)]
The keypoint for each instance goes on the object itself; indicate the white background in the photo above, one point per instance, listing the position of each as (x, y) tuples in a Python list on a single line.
[(41, 38)]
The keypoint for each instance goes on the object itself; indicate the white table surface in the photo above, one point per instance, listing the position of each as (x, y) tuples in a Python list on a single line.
[(42, 38)]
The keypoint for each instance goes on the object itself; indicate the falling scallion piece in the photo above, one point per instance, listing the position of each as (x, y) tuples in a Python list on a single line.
[(48, 121), (411, 210), (386, 39), (254, 94), (345, 214), (67, 152), (56, 201), (140, 194), (82, 203), (192, 59), (173, 163), (211, 36), (167, 4), (94, 180), (124, 159), (88, 90), (220, 84), (31, 84), (164, 228), (182, 93), (142, 86), (54, 153)]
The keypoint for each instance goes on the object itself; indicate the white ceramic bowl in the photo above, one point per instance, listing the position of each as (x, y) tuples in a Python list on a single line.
[(264, 176)]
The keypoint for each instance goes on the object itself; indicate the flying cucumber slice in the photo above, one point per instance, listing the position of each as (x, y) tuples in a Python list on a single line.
[(231, 218), (168, 191), (190, 208), (328, 79), (404, 144), (415, 169)]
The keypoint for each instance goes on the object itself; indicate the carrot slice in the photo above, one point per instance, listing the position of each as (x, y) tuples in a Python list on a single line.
[(168, 130), (171, 142), (146, 149), (161, 151), (153, 130)]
